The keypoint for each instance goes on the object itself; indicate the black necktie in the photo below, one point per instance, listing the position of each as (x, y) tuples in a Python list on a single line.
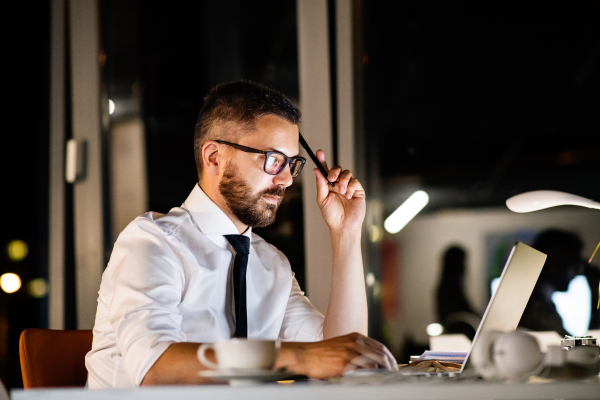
[(241, 244)]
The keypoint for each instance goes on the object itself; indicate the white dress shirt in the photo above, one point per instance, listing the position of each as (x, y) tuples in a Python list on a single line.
[(169, 280)]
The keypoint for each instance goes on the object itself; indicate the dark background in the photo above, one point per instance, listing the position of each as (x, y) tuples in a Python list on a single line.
[(24, 88), (484, 100)]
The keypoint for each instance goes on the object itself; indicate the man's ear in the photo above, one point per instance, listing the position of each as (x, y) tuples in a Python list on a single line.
[(210, 159)]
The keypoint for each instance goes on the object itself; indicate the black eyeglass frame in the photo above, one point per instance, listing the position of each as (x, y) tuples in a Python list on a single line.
[(288, 160)]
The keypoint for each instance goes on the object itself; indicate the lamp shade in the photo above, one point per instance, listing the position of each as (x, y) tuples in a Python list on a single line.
[(540, 199)]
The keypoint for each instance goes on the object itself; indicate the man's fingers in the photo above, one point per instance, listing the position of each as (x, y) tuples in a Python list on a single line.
[(373, 354), (322, 181), (322, 186), (383, 351), (378, 358), (346, 184), (361, 362), (343, 179), (355, 189), (321, 157), (334, 174), (349, 367), (387, 354)]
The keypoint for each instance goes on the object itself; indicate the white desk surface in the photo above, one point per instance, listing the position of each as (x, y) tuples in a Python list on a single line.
[(433, 389)]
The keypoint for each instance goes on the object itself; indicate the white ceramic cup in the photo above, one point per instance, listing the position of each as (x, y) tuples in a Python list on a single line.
[(240, 354)]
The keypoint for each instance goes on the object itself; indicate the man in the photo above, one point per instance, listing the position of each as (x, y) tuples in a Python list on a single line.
[(174, 281)]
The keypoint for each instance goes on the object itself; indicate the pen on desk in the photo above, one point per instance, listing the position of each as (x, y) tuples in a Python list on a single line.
[(314, 158)]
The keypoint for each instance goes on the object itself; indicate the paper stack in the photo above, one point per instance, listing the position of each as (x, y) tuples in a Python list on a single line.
[(457, 357)]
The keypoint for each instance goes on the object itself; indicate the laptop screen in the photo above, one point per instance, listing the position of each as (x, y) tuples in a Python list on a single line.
[(514, 288)]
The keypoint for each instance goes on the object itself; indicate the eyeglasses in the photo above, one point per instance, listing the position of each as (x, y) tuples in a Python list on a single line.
[(274, 160)]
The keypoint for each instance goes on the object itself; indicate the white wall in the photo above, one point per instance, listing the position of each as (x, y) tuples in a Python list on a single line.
[(423, 240)]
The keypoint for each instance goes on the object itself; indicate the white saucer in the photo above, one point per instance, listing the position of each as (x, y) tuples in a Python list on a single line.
[(246, 376)]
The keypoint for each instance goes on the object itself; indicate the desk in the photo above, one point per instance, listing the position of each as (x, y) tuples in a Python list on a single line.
[(433, 389)]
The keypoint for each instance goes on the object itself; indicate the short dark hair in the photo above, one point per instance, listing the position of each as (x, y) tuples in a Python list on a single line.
[(564, 256), (232, 109), (553, 240)]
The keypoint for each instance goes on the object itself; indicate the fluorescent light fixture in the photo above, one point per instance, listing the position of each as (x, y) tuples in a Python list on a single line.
[(407, 211)]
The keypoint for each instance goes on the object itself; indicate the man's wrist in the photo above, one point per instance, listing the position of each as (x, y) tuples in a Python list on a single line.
[(289, 357), (346, 235)]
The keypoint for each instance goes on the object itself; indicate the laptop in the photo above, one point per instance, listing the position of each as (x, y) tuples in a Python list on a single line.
[(507, 304), (515, 286)]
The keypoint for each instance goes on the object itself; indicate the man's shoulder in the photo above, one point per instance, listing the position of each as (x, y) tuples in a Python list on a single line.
[(264, 247), (153, 222), (259, 241)]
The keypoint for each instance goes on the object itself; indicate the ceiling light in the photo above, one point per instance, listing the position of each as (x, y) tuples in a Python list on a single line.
[(407, 211)]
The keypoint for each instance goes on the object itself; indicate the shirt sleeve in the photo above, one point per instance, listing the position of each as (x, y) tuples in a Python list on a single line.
[(147, 287), (302, 322)]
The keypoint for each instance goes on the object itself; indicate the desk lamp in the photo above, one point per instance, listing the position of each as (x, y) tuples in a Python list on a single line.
[(540, 199)]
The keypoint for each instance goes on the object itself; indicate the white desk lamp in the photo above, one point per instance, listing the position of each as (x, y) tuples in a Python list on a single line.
[(540, 199)]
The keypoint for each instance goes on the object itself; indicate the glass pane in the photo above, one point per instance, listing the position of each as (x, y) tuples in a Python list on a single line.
[(162, 59), (25, 178), (472, 104)]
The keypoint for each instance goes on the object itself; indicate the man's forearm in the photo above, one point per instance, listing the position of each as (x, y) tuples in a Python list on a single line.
[(178, 365), (347, 310)]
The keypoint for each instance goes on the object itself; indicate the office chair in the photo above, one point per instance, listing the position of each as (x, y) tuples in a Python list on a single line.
[(54, 358)]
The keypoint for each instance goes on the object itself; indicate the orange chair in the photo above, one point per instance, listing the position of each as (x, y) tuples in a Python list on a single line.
[(54, 358)]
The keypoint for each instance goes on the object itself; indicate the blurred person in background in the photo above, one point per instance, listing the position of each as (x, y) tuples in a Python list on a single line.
[(453, 309), (562, 265)]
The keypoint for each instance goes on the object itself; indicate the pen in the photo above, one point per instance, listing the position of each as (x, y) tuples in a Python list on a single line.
[(314, 158)]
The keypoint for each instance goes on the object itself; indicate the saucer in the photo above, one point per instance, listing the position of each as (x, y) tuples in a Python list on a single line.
[(243, 377)]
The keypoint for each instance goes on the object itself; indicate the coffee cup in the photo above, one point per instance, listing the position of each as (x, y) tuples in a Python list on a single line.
[(241, 354)]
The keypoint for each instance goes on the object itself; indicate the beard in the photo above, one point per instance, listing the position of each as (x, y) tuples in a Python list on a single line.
[(249, 208)]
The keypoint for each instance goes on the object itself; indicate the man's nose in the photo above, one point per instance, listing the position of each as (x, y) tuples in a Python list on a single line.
[(284, 178)]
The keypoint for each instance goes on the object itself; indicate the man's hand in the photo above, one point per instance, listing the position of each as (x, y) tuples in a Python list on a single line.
[(333, 357), (343, 206)]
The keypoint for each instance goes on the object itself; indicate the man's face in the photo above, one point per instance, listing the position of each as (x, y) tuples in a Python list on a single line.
[(251, 194)]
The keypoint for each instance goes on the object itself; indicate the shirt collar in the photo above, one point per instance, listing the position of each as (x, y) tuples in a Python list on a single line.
[(211, 220)]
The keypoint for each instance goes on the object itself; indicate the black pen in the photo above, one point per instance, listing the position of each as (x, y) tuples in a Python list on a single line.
[(314, 158)]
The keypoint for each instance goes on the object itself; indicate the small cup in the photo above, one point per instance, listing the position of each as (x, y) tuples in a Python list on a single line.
[(241, 354)]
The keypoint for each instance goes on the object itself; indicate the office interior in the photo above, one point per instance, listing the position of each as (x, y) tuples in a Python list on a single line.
[(469, 102)]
